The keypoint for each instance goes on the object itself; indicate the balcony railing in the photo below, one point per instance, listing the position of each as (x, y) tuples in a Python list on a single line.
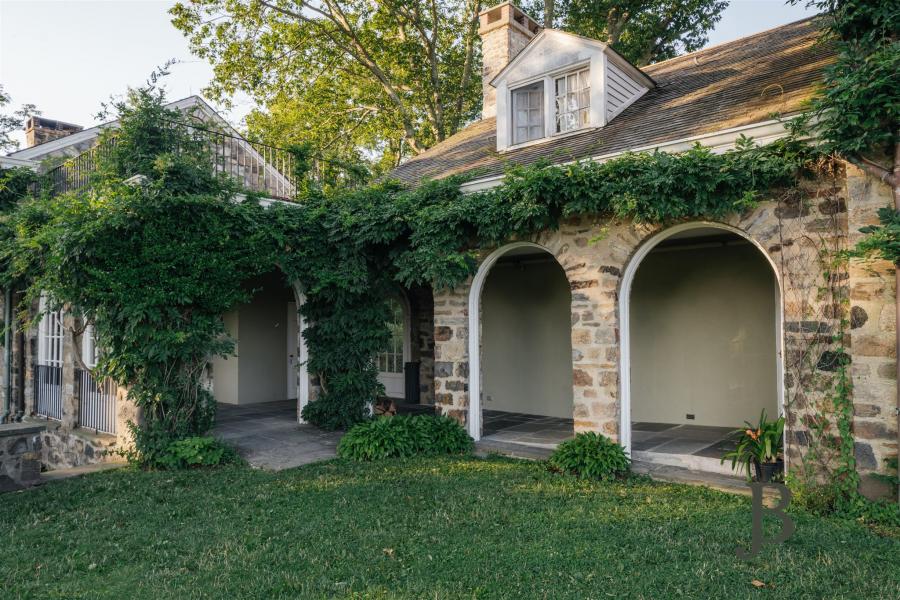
[(257, 167)]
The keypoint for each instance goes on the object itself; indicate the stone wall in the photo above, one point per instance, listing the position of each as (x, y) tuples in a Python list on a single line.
[(421, 304), (792, 231), (20, 455), (63, 448)]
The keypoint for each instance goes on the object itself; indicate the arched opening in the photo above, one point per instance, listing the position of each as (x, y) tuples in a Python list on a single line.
[(521, 371), (263, 377), (701, 325)]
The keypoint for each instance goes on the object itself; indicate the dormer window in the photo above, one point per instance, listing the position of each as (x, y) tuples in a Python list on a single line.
[(528, 113), (573, 100)]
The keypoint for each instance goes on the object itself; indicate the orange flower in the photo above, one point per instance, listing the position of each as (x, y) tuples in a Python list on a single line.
[(754, 435)]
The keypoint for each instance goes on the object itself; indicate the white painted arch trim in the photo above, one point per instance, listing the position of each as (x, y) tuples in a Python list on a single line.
[(625, 319), (474, 413)]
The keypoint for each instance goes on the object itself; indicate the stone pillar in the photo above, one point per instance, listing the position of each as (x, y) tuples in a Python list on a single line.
[(873, 330), (70, 404), (451, 361)]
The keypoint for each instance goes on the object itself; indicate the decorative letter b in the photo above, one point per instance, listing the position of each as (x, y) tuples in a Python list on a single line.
[(787, 525)]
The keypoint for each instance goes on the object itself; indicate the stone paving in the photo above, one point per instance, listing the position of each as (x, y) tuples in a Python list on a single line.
[(268, 435)]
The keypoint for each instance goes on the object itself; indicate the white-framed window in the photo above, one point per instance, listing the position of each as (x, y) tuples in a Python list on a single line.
[(528, 113), (50, 336), (89, 354), (390, 360), (573, 100)]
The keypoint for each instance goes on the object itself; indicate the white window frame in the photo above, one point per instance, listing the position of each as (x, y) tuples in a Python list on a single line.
[(88, 347), (549, 81), (542, 86), (50, 336), (564, 77)]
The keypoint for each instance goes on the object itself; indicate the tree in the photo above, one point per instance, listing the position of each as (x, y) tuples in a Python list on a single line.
[(644, 31), (15, 121), (354, 76)]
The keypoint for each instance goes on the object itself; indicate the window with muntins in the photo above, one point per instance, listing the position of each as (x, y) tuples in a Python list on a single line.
[(390, 360), (50, 339), (573, 100), (528, 113)]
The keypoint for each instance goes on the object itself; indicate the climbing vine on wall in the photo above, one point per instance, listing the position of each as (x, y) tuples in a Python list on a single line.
[(155, 265)]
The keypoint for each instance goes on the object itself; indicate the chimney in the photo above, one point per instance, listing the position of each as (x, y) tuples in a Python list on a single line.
[(505, 30), (39, 130)]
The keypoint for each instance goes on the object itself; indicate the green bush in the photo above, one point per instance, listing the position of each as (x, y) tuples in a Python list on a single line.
[(156, 449), (404, 436), (591, 456)]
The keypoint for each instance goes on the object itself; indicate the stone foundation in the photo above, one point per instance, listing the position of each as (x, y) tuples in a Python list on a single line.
[(20, 455)]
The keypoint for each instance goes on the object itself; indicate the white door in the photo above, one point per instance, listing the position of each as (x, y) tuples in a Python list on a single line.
[(293, 362), (390, 361)]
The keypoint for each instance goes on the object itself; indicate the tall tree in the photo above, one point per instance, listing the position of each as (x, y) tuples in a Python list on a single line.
[(644, 31), (378, 77), (12, 122)]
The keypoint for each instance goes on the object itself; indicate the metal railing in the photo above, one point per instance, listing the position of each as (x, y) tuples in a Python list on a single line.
[(96, 402), (48, 391), (257, 167)]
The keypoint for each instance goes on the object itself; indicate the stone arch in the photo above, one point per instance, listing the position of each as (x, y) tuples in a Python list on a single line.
[(640, 252), (474, 408)]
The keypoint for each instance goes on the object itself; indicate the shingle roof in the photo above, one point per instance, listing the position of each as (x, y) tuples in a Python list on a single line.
[(730, 85)]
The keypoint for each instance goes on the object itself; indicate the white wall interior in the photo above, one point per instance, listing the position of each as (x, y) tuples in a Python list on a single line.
[(259, 371), (703, 332), (526, 354)]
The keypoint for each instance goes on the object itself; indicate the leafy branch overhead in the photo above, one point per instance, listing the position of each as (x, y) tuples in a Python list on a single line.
[(389, 78)]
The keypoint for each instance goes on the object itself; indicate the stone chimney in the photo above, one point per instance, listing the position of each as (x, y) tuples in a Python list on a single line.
[(504, 29), (39, 130)]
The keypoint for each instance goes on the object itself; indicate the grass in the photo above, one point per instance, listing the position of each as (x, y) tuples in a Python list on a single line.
[(423, 528)]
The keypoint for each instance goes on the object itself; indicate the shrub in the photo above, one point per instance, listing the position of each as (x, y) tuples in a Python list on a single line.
[(157, 450), (404, 436), (591, 456)]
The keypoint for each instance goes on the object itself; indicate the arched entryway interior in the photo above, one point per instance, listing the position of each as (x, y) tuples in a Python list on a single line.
[(261, 379), (526, 350), (704, 346)]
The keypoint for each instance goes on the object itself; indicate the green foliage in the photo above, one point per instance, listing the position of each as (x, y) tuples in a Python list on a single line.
[(591, 455), (197, 452), (644, 31), (12, 122), (762, 443), (857, 112), (355, 79), (882, 241), (403, 436), (156, 448)]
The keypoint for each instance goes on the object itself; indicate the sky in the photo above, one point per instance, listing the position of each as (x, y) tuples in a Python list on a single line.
[(68, 56)]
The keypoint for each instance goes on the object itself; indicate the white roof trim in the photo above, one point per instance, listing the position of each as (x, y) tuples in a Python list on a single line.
[(35, 152), (764, 132), (8, 162), (585, 41)]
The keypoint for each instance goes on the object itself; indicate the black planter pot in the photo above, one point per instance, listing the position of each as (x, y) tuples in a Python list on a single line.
[(768, 472)]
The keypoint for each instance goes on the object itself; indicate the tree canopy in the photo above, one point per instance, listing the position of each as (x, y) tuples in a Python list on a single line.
[(12, 122), (644, 31), (355, 78)]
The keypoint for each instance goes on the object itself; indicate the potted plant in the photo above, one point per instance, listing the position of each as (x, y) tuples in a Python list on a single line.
[(761, 446)]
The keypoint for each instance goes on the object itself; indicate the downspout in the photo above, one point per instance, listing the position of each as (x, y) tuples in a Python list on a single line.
[(7, 354)]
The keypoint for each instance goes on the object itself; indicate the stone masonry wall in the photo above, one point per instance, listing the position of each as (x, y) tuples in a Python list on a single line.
[(793, 231)]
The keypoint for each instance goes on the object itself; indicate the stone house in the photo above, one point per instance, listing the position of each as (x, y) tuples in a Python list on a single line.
[(663, 338), (46, 371)]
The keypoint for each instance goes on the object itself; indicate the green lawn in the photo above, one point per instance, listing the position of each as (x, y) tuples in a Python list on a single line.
[(428, 528)]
